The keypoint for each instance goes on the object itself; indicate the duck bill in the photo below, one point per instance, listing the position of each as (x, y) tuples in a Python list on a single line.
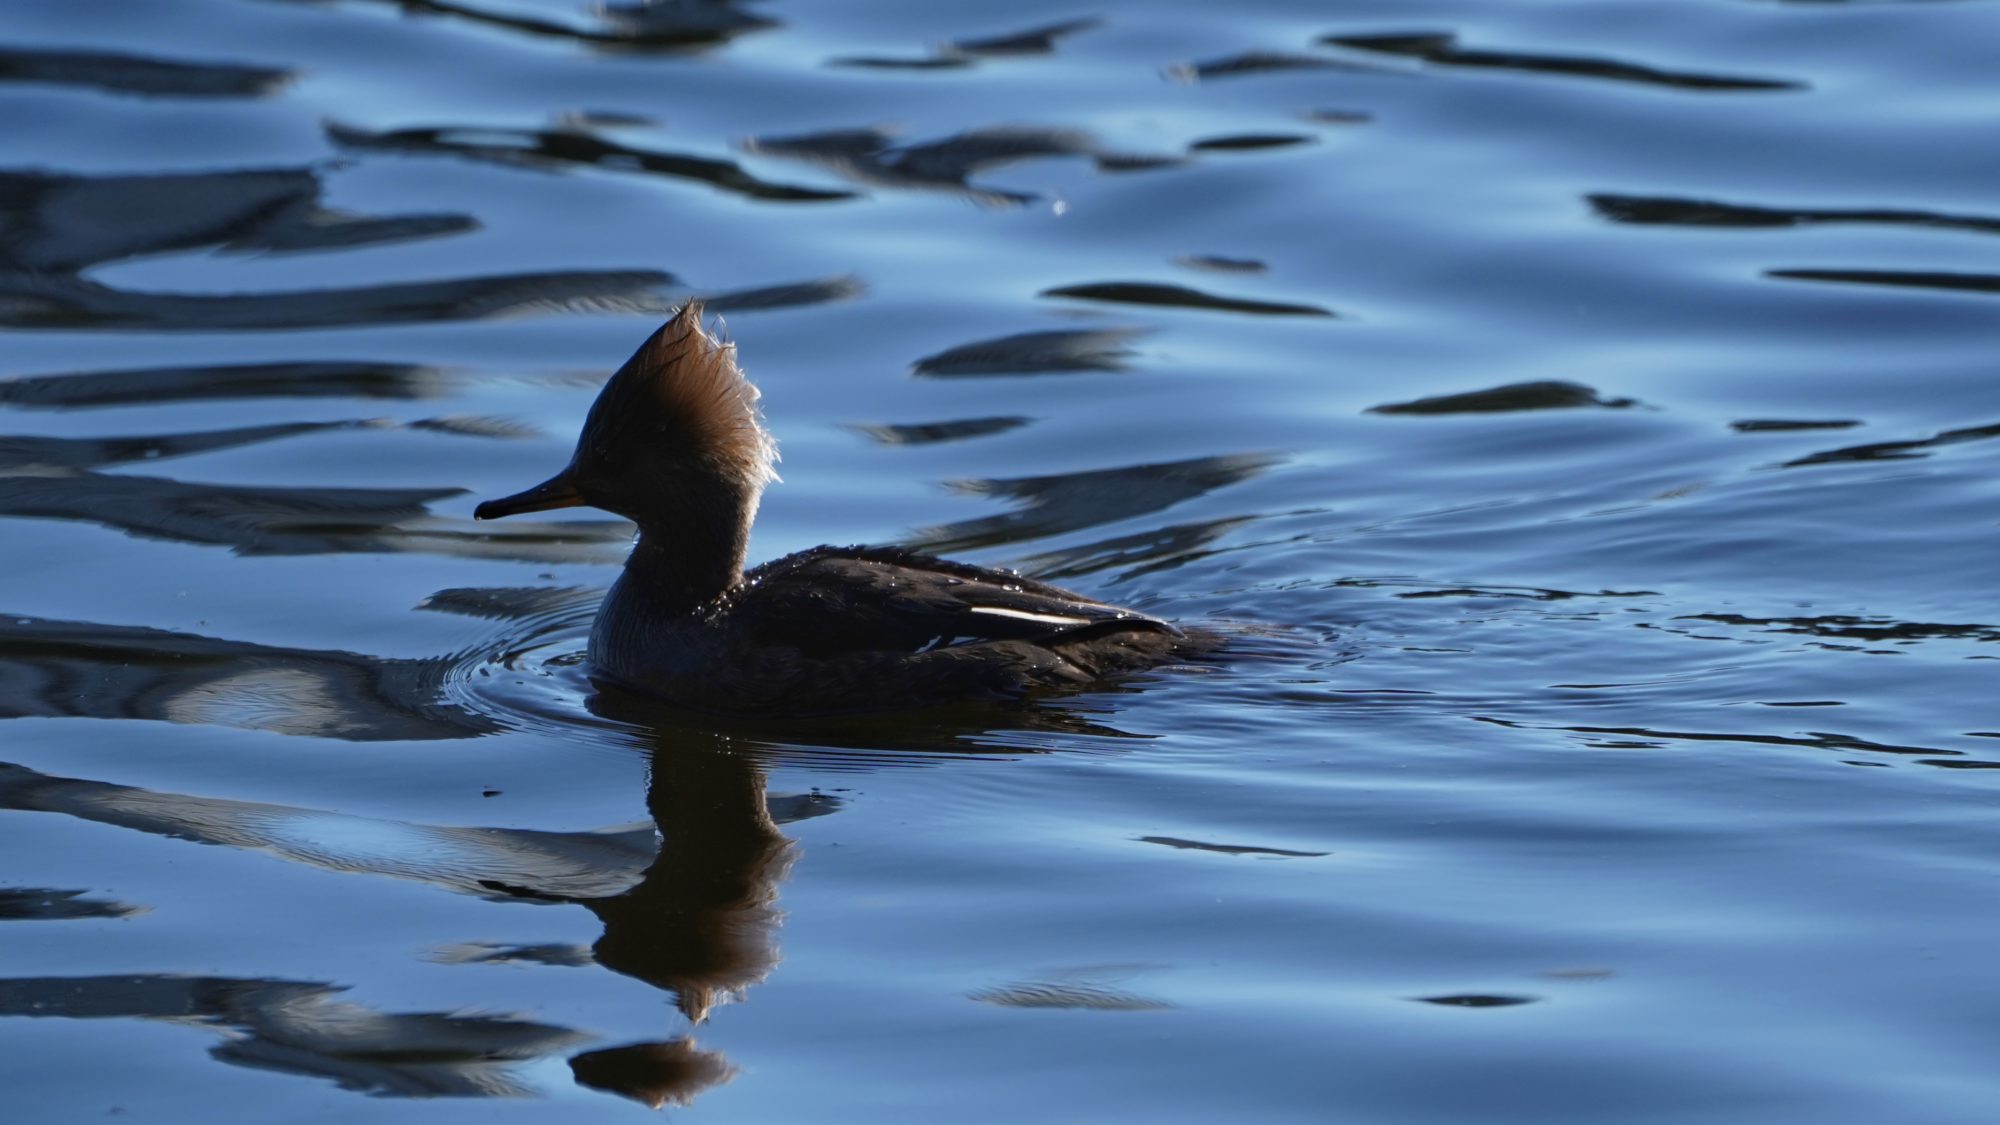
[(556, 492)]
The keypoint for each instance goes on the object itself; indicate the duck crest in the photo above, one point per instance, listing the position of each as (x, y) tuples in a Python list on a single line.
[(684, 382)]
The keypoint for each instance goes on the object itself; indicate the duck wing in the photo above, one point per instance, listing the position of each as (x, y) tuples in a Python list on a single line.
[(834, 600)]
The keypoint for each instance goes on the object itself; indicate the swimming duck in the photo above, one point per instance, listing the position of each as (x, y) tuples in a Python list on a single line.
[(675, 443)]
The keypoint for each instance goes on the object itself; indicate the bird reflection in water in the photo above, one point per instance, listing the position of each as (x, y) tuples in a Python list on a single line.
[(702, 921), (688, 905)]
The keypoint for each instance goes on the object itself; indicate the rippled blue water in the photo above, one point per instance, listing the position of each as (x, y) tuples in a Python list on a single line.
[(1607, 728)]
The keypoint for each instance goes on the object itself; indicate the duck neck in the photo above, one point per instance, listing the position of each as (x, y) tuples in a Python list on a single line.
[(690, 552), (676, 571)]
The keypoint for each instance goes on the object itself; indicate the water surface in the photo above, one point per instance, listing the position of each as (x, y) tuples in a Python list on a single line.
[(1579, 413)]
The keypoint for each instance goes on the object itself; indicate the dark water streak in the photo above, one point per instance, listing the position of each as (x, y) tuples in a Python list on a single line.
[(1442, 49), (140, 74)]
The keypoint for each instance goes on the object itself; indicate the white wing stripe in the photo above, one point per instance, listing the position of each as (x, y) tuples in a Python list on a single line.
[(1024, 615)]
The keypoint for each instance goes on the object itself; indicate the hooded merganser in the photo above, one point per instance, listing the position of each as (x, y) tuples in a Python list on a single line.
[(675, 444)]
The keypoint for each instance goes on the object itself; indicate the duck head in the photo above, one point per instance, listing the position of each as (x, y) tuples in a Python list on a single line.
[(674, 443)]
